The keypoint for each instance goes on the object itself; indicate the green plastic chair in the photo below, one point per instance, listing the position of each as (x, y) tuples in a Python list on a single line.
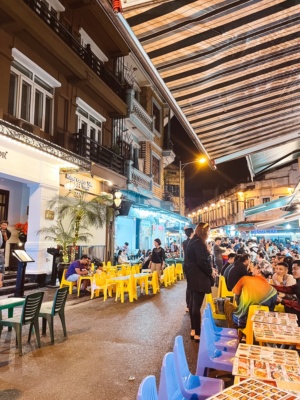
[(52, 308), (30, 315)]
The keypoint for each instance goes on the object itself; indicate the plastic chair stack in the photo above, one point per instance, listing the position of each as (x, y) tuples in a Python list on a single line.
[(222, 342), (209, 356), (227, 332), (189, 383), (147, 389)]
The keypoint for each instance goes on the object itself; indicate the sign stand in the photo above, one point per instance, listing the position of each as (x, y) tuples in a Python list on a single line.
[(23, 258)]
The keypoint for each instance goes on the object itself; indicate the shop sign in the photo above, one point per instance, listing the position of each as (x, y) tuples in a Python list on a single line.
[(80, 183)]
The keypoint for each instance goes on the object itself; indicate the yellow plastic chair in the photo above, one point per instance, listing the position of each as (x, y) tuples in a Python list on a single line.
[(172, 276), (279, 308), (64, 282), (209, 299), (165, 277), (108, 264), (153, 281), (124, 270), (248, 330), (129, 287), (222, 289), (179, 271), (99, 283)]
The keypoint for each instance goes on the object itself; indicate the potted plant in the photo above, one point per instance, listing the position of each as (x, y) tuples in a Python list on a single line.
[(22, 228)]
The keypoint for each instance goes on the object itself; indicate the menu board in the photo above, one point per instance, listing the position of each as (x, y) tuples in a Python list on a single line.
[(265, 353), (21, 255), (253, 389), (280, 333), (267, 363), (270, 317)]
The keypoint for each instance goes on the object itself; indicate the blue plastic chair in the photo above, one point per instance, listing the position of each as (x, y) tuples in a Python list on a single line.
[(222, 342), (169, 388), (189, 383), (147, 389), (228, 332), (209, 356)]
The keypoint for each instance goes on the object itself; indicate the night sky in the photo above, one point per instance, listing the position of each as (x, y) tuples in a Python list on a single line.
[(202, 183)]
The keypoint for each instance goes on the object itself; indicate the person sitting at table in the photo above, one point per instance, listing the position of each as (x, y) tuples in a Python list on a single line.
[(282, 277), (122, 257), (240, 268), (76, 269), (291, 306), (249, 290), (230, 261), (147, 261)]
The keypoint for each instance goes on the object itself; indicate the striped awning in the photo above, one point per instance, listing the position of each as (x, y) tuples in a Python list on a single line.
[(233, 67)]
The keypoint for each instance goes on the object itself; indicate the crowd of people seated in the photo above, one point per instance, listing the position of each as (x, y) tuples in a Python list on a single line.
[(277, 267)]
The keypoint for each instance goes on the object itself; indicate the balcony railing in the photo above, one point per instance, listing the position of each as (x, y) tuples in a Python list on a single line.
[(142, 114), (93, 151), (84, 53)]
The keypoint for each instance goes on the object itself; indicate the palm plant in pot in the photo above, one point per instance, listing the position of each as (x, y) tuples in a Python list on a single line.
[(82, 212), (64, 237)]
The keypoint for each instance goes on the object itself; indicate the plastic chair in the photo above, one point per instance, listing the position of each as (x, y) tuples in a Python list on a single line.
[(64, 282), (209, 300), (99, 282), (108, 264), (227, 332), (209, 356), (248, 330), (169, 388), (29, 315), (165, 277), (179, 271), (147, 389), (189, 383), (129, 287), (50, 309), (222, 342), (279, 308), (222, 288), (153, 281), (172, 276)]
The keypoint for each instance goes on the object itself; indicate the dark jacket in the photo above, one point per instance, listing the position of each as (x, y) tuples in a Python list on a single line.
[(238, 270), (198, 266)]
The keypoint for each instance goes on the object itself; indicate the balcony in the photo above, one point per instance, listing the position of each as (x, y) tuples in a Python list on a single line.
[(138, 181), (93, 151), (84, 53), (138, 119)]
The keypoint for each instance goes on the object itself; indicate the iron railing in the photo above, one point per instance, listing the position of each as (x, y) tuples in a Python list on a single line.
[(93, 151), (85, 53)]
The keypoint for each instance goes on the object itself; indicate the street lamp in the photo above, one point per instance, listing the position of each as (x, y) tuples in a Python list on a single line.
[(201, 160)]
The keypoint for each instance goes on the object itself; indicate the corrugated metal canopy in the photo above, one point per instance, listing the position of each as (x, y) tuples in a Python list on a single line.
[(232, 66)]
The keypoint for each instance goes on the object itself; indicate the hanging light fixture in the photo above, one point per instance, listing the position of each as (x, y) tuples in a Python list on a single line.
[(118, 199)]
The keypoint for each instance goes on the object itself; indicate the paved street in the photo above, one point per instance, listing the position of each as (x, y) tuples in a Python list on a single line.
[(107, 343)]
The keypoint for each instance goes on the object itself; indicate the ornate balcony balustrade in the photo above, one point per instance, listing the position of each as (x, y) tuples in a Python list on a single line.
[(93, 151), (84, 53)]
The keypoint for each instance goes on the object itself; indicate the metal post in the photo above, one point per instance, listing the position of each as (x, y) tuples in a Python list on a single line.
[(180, 187)]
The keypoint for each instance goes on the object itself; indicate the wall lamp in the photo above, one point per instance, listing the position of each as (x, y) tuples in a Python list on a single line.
[(117, 199)]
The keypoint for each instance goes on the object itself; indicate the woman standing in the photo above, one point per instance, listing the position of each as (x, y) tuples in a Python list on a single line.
[(158, 257), (198, 274)]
